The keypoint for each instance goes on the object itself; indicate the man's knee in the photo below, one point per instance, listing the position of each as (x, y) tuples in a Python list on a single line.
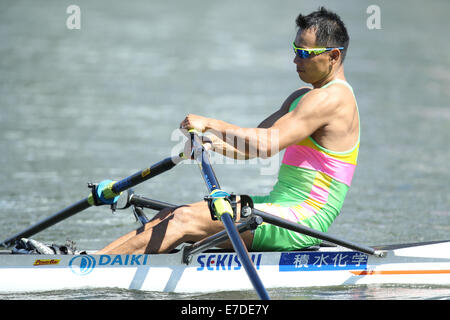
[(181, 215), (195, 220), (188, 218)]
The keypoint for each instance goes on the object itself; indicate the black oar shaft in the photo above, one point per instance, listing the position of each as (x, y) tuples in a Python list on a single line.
[(141, 201), (280, 222), (218, 238), (47, 222), (268, 218), (145, 174), (81, 205)]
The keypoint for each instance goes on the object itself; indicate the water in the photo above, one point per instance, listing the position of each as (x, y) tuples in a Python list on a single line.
[(103, 101)]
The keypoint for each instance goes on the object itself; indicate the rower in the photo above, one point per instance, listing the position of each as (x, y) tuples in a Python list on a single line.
[(318, 127)]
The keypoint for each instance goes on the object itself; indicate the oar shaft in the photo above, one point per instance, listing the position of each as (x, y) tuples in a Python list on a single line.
[(141, 201), (81, 205), (145, 174), (242, 253), (201, 155), (280, 222), (218, 238), (268, 218), (47, 222)]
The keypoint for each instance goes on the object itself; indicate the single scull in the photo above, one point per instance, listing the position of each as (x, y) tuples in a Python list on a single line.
[(407, 264), (201, 267)]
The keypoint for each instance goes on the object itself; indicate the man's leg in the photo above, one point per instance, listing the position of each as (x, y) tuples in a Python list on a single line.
[(156, 220), (164, 233)]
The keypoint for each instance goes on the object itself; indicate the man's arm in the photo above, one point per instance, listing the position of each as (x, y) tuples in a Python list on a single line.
[(242, 150), (269, 121), (314, 111)]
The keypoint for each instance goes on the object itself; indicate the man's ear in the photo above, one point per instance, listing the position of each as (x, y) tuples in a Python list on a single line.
[(334, 56)]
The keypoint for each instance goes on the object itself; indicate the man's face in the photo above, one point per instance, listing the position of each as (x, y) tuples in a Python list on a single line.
[(316, 67)]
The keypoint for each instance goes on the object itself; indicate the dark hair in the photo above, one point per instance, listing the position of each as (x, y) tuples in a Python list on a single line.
[(329, 28)]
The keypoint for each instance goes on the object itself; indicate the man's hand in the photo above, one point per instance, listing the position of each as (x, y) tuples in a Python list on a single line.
[(206, 142), (196, 122)]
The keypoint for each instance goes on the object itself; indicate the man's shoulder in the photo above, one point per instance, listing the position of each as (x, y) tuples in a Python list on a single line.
[(318, 102), (299, 92), (294, 96), (333, 95), (339, 91)]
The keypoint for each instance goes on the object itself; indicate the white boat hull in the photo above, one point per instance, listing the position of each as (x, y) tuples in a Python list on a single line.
[(222, 271)]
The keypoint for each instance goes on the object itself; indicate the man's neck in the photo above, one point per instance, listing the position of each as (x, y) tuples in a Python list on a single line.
[(337, 74)]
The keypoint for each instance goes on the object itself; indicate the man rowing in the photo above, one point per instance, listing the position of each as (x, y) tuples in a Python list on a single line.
[(317, 127)]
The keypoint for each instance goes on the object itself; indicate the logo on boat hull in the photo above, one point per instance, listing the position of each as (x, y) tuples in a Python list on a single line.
[(216, 262), (322, 261), (82, 265), (45, 262)]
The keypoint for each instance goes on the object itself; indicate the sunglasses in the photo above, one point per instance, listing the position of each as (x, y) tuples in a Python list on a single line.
[(306, 53)]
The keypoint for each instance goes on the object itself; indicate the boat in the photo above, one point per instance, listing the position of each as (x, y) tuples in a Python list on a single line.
[(201, 266), (220, 270)]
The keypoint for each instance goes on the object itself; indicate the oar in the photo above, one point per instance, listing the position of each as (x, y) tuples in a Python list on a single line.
[(145, 174), (280, 222), (112, 190), (223, 212), (47, 222), (141, 201)]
